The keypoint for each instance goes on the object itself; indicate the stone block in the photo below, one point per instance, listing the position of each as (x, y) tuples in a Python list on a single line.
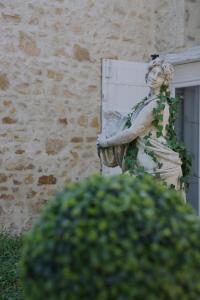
[(28, 179), (11, 18), (28, 44), (81, 53), (3, 188), (83, 120), (46, 179), (7, 197), (91, 139), (19, 151), (3, 178), (16, 182), (23, 88), (19, 166), (8, 120), (55, 75), (4, 82), (63, 121), (7, 103), (54, 146), (95, 123), (68, 94), (77, 139)]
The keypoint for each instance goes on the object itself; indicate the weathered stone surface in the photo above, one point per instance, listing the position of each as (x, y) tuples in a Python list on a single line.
[(55, 75), (55, 91), (31, 194), (34, 20), (95, 123), (16, 182), (83, 121), (19, 151), (20, 166), (3, 178), (77, 139), (74, 158), (76, 28), (60, 52), (28, 44), (110, 55), (87, 154), (7, 197), (63, 121), (68, 94), (15, 189), (7, 103), (28, 179), (121, 10), (13, 110), (8, 120), (169, 25), (43, 180), (2, 211), (81, 53), (23, 88), (3, 188), (192, 24), (91, 139), (92, 88), (59, 10), (54, 146), (16, 19), (4, 82)]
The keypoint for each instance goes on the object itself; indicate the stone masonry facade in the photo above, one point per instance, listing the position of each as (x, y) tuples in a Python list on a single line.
[(50, 86)]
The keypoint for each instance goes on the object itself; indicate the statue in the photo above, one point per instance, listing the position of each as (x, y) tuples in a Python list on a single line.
[(145, 141)]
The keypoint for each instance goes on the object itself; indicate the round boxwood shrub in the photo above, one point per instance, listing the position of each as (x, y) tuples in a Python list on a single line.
[(119, 238)]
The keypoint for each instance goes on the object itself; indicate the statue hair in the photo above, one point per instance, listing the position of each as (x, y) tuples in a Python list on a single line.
[(167, 69)]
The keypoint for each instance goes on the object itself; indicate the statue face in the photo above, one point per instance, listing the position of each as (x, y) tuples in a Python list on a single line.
[(155, 78)]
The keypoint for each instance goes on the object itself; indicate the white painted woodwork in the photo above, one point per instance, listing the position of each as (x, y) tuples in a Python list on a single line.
[(186, 56), (186, 75), (123, 86)]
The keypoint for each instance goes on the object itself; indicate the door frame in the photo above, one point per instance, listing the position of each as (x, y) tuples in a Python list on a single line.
[(187, 56)]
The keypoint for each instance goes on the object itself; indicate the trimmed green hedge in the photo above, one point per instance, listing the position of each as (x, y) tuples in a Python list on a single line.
[(10, 253), (119, 238)]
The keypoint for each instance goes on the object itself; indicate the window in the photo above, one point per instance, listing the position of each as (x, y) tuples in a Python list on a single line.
[(186, 86)]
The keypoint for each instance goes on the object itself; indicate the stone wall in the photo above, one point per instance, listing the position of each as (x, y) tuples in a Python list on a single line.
[(50, 91), (192, 23), (169, 25), (50, 87), (177, 24)]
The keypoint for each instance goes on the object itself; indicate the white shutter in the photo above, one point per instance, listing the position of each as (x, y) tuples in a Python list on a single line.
[(123, 86)]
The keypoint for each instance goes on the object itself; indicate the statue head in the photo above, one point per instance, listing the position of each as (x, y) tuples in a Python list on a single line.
[(159, 74)]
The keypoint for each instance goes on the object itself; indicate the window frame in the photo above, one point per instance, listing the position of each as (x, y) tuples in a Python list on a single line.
[(187, 56)]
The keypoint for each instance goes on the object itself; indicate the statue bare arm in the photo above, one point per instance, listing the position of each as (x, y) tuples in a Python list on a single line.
[(138, 127)]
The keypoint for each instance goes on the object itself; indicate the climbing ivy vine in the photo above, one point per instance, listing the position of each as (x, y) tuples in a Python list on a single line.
[(131, 155), (175, 144)]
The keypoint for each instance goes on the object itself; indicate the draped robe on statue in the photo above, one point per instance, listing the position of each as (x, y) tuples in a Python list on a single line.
[(141, 125)]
